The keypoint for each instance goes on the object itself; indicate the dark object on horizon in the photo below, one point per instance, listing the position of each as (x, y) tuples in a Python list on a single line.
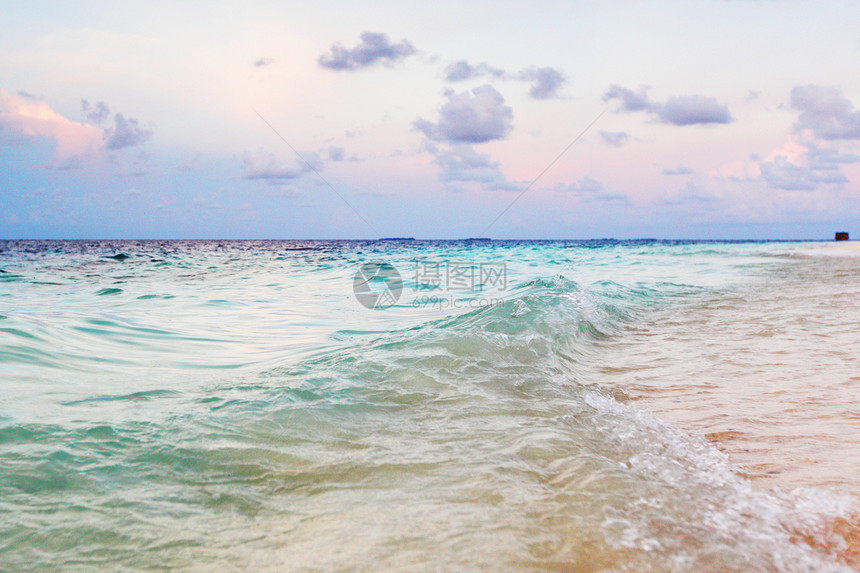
[(396, 239), (843, 236)]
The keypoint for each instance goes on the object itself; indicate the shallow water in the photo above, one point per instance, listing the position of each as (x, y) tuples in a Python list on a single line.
[(639, 406), (773, 368)]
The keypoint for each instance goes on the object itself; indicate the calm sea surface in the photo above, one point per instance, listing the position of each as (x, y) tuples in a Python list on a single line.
[(507, 406)]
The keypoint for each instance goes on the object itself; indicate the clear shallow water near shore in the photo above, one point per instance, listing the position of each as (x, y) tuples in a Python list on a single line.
[(634, 406)]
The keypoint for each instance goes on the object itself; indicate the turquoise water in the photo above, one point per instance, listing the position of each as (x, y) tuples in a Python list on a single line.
[(232, 406)]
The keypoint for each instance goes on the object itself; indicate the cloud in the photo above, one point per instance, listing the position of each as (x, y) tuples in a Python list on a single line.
[(782, 174), (266, 167), (263, 62), (337, 154), (692, 110), (825, 112), (811, 156), (125, 133), (678, 110), (590, 189), (828, 158), (680, 170), (802, 165), (545, 82), (585, 185), (22, 119), (11, 136), (830, 176), (463, 164), (96, 114), (692, 198), (374, 48), (463, 70), (613, 196), (614, 138), (630, 100), (464, 118)]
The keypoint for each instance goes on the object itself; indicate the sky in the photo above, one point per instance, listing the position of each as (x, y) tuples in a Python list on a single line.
[(717, 119)]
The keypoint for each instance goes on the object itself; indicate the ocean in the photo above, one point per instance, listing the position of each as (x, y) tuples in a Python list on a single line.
[(402, 405)]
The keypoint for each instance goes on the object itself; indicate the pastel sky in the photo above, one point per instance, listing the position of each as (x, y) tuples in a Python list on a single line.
[(671, 119)]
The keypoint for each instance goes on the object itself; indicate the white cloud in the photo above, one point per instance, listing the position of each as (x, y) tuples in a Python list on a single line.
[(590, 189), (614, 138), (125, 133), (463, 70), (97, 113), (470, 118), (693, 109), (678, 110), (630, 100), (463, 164), (802, 165), (782, 174), (680, 170), (29, 119), (811, 157), (374, 48), (276, 171), (825, 112), (583, 185), (546, 82)]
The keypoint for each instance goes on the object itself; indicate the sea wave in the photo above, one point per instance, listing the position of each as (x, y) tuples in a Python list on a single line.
[(179, 432)]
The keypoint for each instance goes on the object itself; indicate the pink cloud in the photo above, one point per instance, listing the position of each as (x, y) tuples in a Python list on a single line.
[(37, 119)]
